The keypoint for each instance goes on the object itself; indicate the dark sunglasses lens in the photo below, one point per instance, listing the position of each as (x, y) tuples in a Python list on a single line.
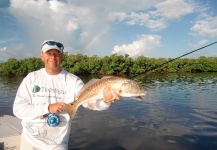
[(59, 45), (51, 43)]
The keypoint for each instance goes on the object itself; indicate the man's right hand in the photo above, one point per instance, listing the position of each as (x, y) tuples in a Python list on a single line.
[(56, 107)]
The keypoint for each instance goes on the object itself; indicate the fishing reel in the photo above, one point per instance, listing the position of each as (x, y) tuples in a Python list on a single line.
[(53, 120)]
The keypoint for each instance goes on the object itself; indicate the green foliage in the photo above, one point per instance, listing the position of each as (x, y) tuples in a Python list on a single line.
[(114, 64), (15, 67)]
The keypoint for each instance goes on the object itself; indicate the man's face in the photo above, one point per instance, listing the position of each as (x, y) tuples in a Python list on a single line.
[(52, 59)]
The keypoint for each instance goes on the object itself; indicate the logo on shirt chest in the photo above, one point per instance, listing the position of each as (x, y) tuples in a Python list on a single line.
[(37, 89)]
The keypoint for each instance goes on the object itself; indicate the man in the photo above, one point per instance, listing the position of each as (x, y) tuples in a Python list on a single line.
[(45, 92)]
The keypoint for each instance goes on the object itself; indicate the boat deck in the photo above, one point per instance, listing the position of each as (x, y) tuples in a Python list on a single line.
[(10, 131)]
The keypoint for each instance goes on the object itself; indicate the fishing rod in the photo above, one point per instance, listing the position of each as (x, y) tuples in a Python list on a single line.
[(154, 68)]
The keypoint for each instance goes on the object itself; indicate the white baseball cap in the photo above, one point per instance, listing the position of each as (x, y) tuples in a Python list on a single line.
[(52, 44)]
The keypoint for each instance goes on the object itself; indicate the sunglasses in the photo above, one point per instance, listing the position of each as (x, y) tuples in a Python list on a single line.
[(52, 43)]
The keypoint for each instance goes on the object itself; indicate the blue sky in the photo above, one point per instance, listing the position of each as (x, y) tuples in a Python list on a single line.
[(153, 28)]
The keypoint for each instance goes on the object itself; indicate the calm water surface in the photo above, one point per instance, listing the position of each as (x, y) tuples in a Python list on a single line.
[(179, 112)]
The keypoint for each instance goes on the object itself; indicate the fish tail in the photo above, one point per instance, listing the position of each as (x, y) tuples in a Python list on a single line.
[(70, 109)]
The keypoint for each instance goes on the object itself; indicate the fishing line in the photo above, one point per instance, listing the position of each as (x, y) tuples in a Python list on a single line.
[(154, 68)]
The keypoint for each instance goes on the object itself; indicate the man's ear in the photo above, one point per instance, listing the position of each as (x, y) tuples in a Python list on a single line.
[(41, 56)]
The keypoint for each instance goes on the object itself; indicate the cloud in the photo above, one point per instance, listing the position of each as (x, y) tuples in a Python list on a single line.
[(7, 40), (158, 16), (71, 20), (168, 9), (209, 52), (142, 46), (205, 26), (51, 15), (85, 27), (198, 44), (14, 51), (73, 23), (3, 49)]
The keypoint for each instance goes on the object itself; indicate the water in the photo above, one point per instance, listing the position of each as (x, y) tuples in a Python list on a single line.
[(179, 112)]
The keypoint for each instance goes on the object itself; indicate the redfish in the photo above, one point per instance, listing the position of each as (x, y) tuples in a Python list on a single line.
[(93, 91)]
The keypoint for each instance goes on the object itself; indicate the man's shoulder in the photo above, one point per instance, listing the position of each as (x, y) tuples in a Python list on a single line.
[(35, 73), (67, 73), (70, 75)]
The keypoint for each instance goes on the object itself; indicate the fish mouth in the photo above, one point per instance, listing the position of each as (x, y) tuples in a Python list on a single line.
[(138, 98), (132, 95)]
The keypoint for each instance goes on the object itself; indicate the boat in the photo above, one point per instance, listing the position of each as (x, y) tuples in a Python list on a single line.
[(10, 132)]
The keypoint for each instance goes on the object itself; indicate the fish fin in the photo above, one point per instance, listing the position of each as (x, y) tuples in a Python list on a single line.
[(139, 97), (91, 105), (105, 77), (70, 109), (92, 81)]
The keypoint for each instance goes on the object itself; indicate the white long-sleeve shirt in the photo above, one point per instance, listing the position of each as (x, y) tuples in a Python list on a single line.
[(39, 89)]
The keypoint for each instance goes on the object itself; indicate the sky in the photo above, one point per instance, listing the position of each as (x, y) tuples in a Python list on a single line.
[(152, 28)]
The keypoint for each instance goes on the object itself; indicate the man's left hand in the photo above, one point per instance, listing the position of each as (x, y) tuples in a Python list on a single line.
[(110, 96)]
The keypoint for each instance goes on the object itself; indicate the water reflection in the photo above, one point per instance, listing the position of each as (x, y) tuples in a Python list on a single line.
[(8, 89), (178, 112)]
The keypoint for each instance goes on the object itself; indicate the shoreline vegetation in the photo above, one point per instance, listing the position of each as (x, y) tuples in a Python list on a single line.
[(114, 64)]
